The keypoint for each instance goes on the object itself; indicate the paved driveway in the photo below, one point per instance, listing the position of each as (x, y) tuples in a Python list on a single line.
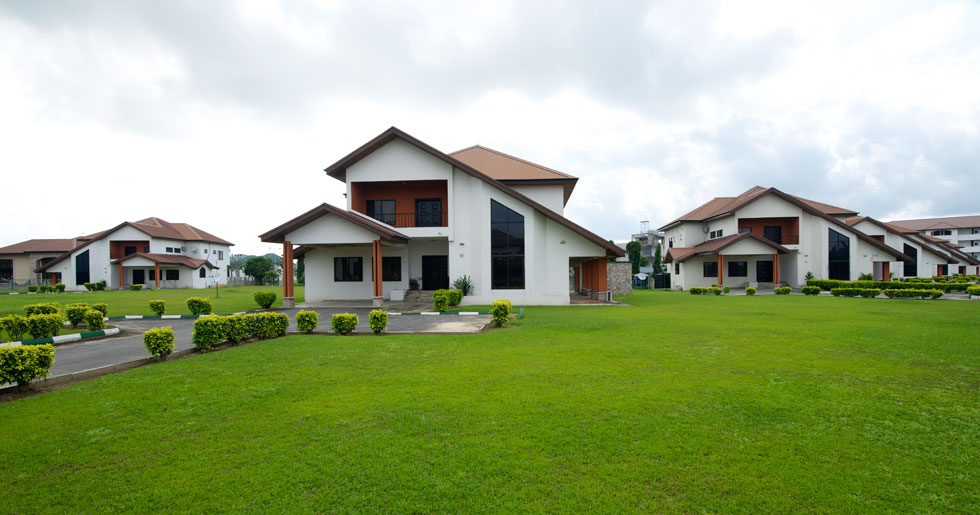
[(128, 345)]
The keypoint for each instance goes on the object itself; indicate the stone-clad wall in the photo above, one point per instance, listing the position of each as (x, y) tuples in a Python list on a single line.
[(619, 277)]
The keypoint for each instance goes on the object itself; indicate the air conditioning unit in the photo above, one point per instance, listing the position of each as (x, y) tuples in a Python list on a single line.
[(706, 229)]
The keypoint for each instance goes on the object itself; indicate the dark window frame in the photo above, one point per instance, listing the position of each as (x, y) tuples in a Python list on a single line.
[(391, 268), (83, 266), (387, 213), (348, 269), (6, 269), (202, 273), (738, 269), (912, 266), (838, 256), (710, 268), (507, 248), (168, 276)]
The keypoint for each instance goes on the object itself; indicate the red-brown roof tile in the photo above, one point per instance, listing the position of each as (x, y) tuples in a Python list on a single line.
[(39, 245)]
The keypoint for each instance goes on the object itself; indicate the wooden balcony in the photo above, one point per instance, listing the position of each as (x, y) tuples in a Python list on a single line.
[(414, 219)]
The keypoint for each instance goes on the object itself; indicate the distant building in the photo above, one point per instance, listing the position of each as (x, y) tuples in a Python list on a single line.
[(962, 231), (18, 261), (649, 238)]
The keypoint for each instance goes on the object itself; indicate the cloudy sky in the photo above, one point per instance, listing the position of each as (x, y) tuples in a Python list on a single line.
[(224, 114)]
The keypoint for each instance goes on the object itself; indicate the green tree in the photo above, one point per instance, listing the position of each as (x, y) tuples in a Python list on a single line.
[(256, 267), (658, 261), (270, 277), (633, 249), (301, 271)]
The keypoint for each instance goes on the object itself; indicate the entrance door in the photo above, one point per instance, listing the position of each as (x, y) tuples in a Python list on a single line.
[(435, 272), (138, 276), (428, 212), (773, 233), (763, 271)]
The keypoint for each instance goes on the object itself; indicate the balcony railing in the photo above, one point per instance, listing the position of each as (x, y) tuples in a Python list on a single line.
[(414, 219)]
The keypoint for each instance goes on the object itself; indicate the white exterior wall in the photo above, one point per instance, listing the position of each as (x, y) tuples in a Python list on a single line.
[(551, 197)]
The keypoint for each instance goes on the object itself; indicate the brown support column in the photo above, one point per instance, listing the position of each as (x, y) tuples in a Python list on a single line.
[(603, 270), (376, 266), (721, 267), (775, 269), (287, 272), (120, 275), (156, 274), (886, 272), (576, 285)]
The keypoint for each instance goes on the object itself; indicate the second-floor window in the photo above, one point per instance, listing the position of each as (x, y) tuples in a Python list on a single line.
[(382, 210)]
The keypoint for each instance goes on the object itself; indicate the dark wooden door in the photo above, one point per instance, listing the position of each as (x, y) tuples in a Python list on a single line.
[(435, 272), (139, 276), (763, 271), (428, 212)]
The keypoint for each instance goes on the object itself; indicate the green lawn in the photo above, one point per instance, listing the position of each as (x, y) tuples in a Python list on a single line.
[(228, 300), (679, 403)]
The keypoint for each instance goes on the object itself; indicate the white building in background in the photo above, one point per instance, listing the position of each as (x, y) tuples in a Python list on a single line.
[(963, 231), (766, 237), (151, 252), (416, 216)]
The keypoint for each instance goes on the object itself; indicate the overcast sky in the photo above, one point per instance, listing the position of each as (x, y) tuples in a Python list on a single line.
[(224, 114)]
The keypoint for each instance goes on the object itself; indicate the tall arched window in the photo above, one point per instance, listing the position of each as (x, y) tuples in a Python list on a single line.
[(506, 247)]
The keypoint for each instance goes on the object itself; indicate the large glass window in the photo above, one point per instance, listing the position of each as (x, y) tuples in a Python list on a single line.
[(912, 266), (838, 256), (348, 269), (81, 268), (6, 269), (391, 268), (506, 247), (382, 210), (172, 274), (738, 269), (202, 273), (711, 269)]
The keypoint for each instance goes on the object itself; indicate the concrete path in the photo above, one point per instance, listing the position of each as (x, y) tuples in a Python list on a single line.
[(128, 345)]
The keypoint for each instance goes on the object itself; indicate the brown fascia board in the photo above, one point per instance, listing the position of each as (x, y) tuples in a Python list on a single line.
[(278, 234), (904, 235), (338, 171), (960, 255), (930, 246), (739, 237)]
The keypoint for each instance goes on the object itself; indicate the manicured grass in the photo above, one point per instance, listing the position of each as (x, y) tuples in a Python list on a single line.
[(679, 403), (229, 299)]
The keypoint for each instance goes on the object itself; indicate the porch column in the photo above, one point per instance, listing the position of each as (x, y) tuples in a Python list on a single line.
[(120, 276), (156, 275), (885, 272), (775, 269), (575, 279), (721, 267), (288, 300), (376, 267), (602, 272)]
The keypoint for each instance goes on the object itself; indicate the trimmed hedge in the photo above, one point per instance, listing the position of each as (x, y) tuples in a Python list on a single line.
[(159, 341), (264, 326), (440, 300), (44, 288), (25, 363), (158, 306), (500, 309), (264, 299), (727, 289), (235, 328), (344, 323), (199, 305), (912, 294), (32, 289), (827, 285), (42, 308), (867, 293), (785, 290), (750, 291), (76, 312), (60, 287), (455, 297), (811, 290), (306, 321), (15, 325), (135, 287), (379, 320), (208, 332), (42, 326), (102, 307), (973, 290), (95, 320)]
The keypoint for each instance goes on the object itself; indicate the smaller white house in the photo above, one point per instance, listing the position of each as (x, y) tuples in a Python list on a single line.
[(151, 252)]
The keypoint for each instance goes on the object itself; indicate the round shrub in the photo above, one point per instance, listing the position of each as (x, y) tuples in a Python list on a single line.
[(60, 287), (76, 312), (42, 326), (727, 289), (44, 288), (199, 305), (454, 297), (95, 320), (15, 325), (379, 320), (811, 290), (973, 290), (500, 309), (716, 290), (101, 306), (42, 308), (784, 290), (158, 306), (208, 332), (25, 363), (264, 298), (440, 300), (750, 291), (306, 321), (159, 341), (135, 287), (32, 289), (344, 323)]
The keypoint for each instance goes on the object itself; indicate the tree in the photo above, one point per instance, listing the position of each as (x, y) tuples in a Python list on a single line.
[(270, 277), (256, 267), (633, 249), (658, 267), (301, 271)]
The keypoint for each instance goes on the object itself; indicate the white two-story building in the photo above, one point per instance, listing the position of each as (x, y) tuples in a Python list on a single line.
[(151, 252), (767, 237), (420, 218)]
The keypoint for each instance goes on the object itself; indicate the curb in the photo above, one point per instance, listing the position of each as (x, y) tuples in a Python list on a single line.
[(65, 338)]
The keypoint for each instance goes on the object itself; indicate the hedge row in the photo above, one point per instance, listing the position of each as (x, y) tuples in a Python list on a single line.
[(24, 363), (867, 293), (830, 284), (213, 330), (705, 291), (973, 290), (443, 299), (811, 290), (912, 294)]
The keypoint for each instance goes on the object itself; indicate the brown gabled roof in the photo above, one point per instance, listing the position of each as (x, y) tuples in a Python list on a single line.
[(901, 231), (946, 222), (714, 246), (169, 259), (39, 245), (386, 233), (338, 171), (513, 171), (720, 206), (958, 254)]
